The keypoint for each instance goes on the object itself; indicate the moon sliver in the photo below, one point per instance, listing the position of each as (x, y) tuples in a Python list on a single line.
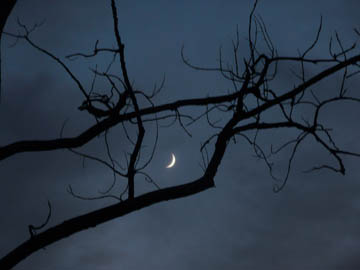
[(172, 163)]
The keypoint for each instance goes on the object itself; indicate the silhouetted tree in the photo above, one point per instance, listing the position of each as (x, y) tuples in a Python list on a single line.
[(245, 109)]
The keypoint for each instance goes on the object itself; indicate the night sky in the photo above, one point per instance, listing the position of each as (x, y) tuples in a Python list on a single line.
[(314, 223)]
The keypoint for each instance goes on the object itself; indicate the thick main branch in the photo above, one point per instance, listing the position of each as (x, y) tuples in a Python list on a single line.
[(101, 126), (100, 216)]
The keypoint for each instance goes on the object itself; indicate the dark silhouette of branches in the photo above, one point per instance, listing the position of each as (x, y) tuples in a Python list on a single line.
[(243, 110)]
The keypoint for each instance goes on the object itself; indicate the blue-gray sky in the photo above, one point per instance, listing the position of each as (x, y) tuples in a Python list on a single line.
[(241, 224)]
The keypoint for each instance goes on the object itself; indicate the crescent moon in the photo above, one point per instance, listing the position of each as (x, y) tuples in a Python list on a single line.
[(172, 163)]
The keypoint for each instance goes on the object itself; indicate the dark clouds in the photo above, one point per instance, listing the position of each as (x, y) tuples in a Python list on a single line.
[(241, 224)]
